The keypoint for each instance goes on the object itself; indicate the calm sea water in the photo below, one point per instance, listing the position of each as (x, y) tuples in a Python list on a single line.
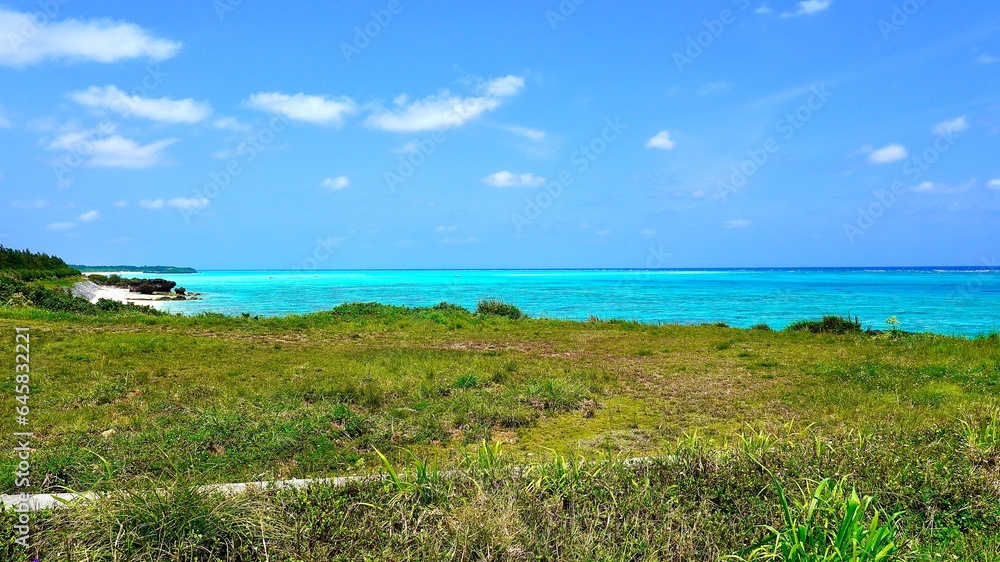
[(950, 301)]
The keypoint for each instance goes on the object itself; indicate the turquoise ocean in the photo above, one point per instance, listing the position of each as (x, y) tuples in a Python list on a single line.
[(958, 301)]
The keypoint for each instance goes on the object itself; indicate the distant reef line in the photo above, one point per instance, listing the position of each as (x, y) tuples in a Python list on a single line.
[(169, 269)]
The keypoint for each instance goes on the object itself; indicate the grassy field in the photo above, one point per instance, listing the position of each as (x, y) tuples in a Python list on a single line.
[(155, 405)]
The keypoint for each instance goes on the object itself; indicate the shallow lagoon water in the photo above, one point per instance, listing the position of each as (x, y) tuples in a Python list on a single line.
[(960, 301)]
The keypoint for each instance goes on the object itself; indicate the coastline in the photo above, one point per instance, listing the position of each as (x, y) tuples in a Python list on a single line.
[(94, 292)]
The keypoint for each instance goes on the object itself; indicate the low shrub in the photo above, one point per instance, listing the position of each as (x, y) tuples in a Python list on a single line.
[(828, 325), (491, 307)]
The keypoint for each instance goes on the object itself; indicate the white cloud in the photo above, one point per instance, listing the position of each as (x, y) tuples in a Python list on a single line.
[(662, 141), (189, 204), (993, 184), (4, 122), (603, 232), (61, 225), (532, 134), (444, 110), (151, 203), (89, 216), (648, 232), (507, 179), (321, 110), (741, 223), (336, 184), (446, 229), (30, 40), (158, 109), (763, 10), (987, 59), (953, 127), (888, 154), (808, 8), (114, 151), (121, 204)]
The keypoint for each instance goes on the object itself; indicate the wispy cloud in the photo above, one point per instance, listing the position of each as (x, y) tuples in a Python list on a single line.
[(231, 124), (987, 59), (994, 184), (337, 184), (662, 141), (61, 225), (888, 154), (446, 229), (952, 127), (89, 216), (738, 223), (28, 39), (508, 179), (151, 203), (114, 151), (444, 110), (714, 88), (528, 133), (188, 204), (466, 240), (157, 109), (943, 189), (36, 204), (408, 148), (808, 8), (321, 110)]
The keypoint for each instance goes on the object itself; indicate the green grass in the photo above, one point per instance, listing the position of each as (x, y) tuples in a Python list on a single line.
[(142, 402)]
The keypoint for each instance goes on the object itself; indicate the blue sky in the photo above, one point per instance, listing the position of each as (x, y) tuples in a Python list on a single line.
[(582, 133)]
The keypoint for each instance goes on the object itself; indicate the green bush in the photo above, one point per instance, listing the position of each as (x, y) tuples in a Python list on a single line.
[(828, 325), (761, 327), (492, 307)]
